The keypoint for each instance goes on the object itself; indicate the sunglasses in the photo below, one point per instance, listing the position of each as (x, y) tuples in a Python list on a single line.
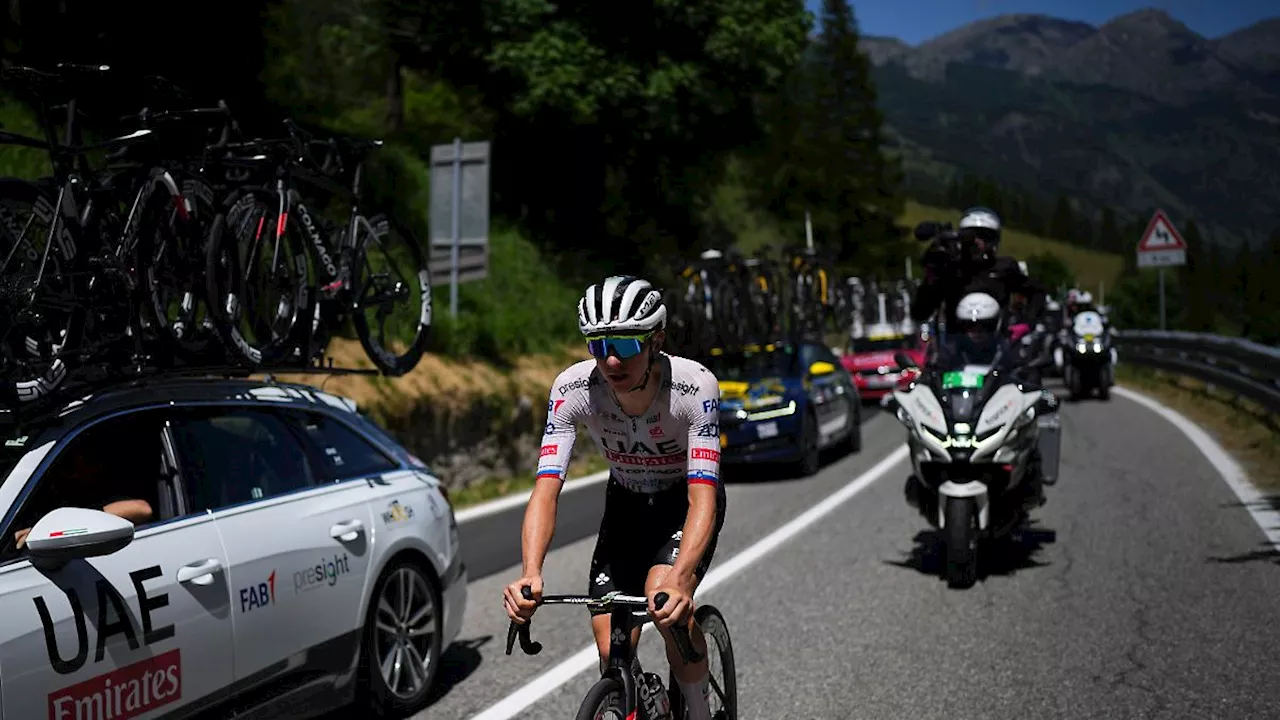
[(624, 346)]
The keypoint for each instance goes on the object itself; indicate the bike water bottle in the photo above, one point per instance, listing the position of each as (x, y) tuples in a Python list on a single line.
[(657, 706)]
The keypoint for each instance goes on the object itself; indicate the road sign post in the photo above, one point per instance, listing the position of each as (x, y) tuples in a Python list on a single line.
[(1161, 246), (459, 215)]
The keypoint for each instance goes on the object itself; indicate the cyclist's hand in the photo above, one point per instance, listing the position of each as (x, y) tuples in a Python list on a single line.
[(519, 609), (678, 603)]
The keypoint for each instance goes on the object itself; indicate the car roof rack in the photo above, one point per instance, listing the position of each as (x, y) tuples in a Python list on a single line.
[(75, 390)]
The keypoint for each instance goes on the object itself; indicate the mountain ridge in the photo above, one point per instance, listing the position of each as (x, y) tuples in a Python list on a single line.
[(1140, 111)]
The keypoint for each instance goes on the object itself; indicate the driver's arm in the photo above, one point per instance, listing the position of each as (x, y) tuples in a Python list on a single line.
[(563, 413), (135, 511), (703, 411)]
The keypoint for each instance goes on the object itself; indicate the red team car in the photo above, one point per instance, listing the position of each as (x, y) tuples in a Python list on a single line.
[(869, 359)]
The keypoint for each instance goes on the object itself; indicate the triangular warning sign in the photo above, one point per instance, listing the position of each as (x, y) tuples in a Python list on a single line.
[(1160, 235)]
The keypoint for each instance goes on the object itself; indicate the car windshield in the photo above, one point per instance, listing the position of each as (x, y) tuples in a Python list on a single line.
[(888, 344), (745, 366)]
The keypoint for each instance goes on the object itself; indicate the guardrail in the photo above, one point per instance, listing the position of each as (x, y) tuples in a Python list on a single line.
[(1246, 368)]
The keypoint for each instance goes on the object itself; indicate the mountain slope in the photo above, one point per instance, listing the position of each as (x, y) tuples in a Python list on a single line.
[(1137, 113)]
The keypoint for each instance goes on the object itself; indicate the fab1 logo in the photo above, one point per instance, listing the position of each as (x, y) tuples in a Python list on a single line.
[(258, 596)]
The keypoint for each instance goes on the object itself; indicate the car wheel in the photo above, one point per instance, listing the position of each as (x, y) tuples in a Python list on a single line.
[(809, 453), (402, 639), (855, 434)]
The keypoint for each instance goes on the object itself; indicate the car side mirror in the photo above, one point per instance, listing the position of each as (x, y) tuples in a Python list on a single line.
[(821, 368), (904, 360), (69, 533)]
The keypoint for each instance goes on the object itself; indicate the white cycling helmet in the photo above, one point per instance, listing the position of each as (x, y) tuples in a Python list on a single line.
[(621, 305)]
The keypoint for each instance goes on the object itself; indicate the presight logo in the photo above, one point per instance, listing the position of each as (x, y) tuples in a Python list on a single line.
[(323, 574), (258, 596)]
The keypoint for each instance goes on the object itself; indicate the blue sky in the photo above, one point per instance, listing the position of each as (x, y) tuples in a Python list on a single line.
[(918, 20)]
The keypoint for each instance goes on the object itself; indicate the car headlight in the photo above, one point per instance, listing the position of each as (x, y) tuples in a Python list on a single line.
[(774, 412)]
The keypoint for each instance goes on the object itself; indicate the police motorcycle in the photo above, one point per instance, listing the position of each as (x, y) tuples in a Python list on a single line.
[(1087, 357), (983, 441)]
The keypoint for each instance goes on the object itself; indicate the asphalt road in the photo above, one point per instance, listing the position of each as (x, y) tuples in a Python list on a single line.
[(1140, 594)]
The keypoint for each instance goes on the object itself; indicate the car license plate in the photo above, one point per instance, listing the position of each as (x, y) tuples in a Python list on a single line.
[(767, 430)]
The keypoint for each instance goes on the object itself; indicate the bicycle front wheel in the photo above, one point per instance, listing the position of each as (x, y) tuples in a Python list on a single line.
[(723, 690), (391, 285), (606, 700)]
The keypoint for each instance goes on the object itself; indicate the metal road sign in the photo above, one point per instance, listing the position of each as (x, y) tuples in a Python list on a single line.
[(1161, 245), (459, 214)]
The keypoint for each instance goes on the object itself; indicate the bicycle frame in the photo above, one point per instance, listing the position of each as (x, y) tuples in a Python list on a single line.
[(337, 275)]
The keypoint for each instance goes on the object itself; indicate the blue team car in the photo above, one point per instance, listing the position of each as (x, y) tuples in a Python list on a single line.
[(785, 404)]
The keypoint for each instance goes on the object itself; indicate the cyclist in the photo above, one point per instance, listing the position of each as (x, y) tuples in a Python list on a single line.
[(656, 418)]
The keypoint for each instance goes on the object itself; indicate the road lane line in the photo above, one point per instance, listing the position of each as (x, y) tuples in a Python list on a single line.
[(1255, 502), (585, 659), (506, 503)]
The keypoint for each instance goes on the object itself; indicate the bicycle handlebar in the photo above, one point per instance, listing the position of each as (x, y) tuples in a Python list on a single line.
[(530, 647)]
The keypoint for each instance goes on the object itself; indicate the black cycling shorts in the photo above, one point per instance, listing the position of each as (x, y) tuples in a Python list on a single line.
[(639, 531)]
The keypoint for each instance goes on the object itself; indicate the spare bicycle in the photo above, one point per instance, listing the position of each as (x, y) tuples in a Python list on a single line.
[(625, 690)]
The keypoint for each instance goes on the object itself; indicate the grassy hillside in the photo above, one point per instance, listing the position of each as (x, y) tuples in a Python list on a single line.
[(1091, 268)]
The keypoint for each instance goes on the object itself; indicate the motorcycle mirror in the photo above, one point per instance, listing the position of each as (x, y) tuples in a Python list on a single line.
[(904, 360), (1048, 403)]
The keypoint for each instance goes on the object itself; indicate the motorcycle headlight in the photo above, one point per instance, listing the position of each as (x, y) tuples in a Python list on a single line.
[(1080, 346), (1097, 346)]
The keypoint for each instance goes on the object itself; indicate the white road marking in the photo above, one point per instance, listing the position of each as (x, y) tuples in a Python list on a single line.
[(546, 683), (1255, 502), (510, 501)]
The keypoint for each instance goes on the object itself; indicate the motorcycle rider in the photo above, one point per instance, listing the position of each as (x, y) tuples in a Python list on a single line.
[(959, 263)]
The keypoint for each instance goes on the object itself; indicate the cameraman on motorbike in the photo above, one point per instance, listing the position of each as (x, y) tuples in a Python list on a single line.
[(958, 263)]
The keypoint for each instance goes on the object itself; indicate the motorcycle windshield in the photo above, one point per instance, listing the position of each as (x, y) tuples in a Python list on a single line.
[(962, 405)]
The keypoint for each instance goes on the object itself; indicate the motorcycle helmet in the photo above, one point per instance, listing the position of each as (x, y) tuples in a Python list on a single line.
[(984, 224), (978, 326)]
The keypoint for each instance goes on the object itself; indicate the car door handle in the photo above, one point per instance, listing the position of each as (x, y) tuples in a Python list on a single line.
[(200, 573), (346, 531)]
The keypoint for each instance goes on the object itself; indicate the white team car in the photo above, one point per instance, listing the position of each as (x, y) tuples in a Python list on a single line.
[(294, 554)]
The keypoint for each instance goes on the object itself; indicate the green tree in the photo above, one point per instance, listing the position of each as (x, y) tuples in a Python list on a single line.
[(1049, 269), (1196, 281), (1062, 223), (828, 156), (1135, 301), (1263, 308), (1109, 232)]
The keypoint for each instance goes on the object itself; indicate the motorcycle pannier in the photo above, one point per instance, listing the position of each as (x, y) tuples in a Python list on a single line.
[(1050, 444)]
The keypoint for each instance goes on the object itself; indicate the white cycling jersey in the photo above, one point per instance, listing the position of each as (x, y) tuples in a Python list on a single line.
[(676, 439)]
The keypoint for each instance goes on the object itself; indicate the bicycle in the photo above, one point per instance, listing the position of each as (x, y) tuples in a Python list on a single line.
[(321, 287), (639, 693), (92, 285)]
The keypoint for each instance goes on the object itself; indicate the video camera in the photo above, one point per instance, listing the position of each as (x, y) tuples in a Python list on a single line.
[(956, 245)]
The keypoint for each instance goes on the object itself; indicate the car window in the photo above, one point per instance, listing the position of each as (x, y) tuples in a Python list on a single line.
[(236, 455), (341, 451), (808, 356), (116, 465)]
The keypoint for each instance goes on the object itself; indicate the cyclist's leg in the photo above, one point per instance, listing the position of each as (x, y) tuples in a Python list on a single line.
[(616, 564), (691, 678)]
